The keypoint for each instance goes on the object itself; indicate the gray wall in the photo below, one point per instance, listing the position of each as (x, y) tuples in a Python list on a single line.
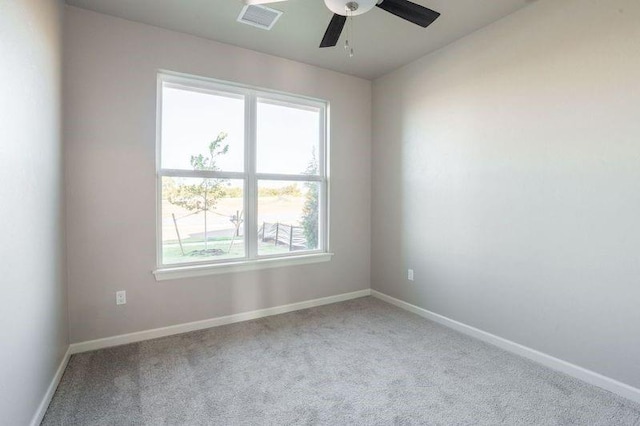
[(506, 172), (33, 317), (110, 95)]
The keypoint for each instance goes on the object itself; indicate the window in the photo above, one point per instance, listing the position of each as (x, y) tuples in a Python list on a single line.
[(241, 177)]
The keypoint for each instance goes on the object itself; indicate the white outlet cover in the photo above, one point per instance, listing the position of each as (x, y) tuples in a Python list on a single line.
[(121, 297), (410, 274)]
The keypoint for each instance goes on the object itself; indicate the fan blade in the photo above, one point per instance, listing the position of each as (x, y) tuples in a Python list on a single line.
[(254, 2), (412, 12), (334, 30)]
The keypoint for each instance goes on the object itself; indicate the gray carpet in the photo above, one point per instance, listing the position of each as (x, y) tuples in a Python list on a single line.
[(357, 362)]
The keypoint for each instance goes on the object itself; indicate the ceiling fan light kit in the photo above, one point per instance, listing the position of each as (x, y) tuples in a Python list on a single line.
[(354, 7)]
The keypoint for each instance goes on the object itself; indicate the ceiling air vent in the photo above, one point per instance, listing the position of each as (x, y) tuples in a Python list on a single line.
[(259, 16)]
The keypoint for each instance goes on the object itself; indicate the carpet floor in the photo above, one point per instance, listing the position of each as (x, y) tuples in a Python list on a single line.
[(359, 362)]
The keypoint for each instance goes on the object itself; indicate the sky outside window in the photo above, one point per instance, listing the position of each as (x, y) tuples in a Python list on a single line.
[(191, 120)]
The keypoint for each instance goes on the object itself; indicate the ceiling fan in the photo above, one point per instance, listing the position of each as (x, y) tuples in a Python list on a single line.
[(404, 9)]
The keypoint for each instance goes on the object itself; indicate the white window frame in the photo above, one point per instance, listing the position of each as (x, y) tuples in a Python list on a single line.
[(252, 260)]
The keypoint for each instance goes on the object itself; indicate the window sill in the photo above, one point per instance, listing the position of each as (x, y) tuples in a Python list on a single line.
[(177, 272)]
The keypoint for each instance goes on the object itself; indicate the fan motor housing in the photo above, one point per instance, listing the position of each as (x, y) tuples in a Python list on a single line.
[(344, 7)]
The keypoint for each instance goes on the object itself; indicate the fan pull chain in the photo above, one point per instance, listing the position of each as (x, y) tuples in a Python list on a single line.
[(347, 46), (351, 35), (346, 39)]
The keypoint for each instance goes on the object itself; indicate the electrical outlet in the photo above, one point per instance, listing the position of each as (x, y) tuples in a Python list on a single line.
[(121, 297), (410, 274)]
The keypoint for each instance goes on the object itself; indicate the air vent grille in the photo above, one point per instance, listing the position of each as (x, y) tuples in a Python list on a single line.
[(259, 16)]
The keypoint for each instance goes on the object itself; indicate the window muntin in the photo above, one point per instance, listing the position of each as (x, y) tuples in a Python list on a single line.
[(265, 176)]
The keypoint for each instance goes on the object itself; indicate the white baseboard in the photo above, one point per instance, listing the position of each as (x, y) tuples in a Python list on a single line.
[(44, 404), (139, 336), (573, 370)]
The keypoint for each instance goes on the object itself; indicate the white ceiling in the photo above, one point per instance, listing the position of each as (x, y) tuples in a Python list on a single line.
[(383, 42)]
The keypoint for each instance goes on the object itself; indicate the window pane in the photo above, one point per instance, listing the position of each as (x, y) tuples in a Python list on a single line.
[(288, 138), (200, 219), (287, 216), (192, 121)]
